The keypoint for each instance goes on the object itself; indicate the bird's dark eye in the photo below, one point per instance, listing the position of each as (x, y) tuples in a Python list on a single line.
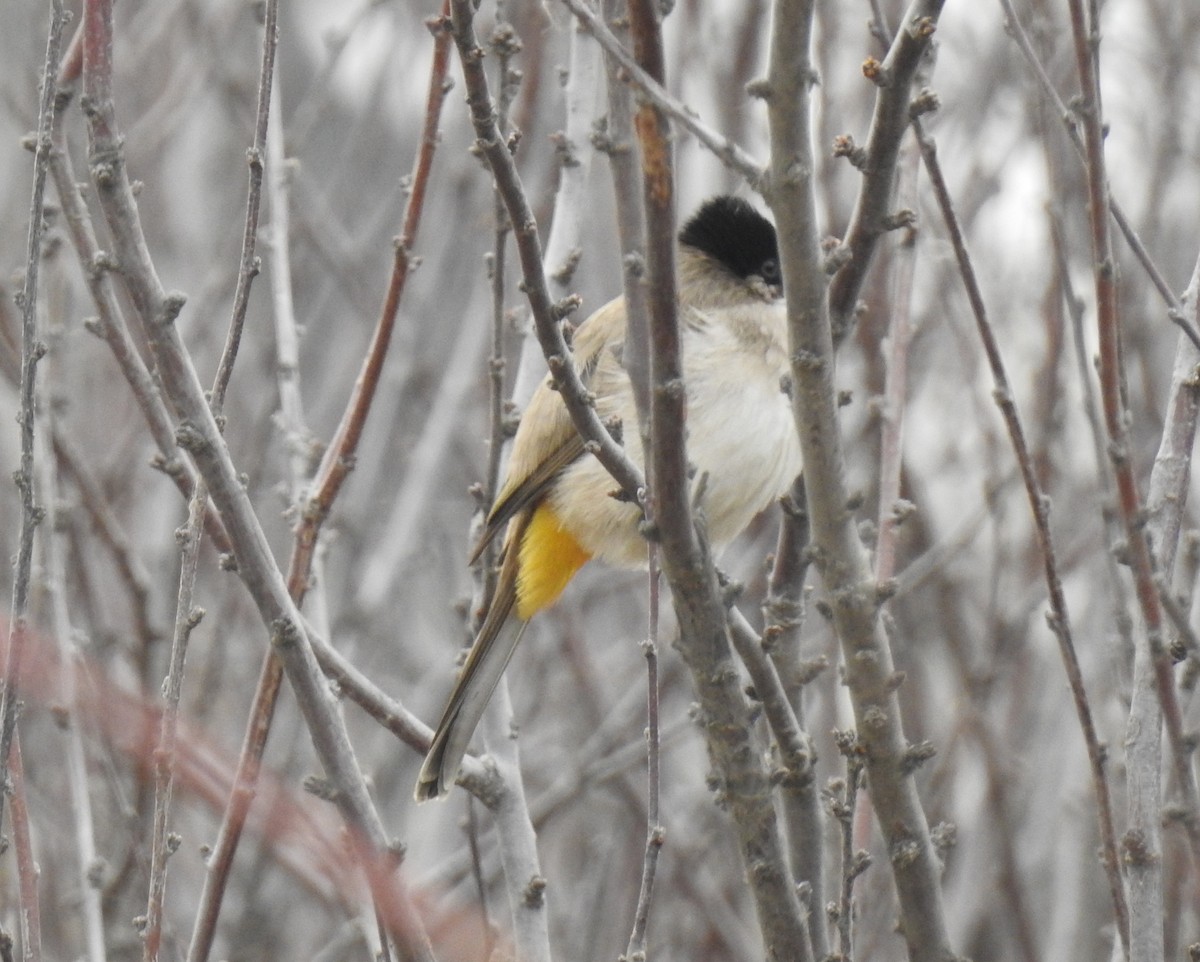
[(769, 271)]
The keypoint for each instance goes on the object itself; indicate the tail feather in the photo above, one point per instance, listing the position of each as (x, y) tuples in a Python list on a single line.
[(486, 661), (470, 698)]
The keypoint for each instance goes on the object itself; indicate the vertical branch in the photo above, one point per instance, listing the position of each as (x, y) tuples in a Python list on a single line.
[(32, 350), (29, 905), (1086, 37), (1166, 498), (163, 845), (704, 633), (1144, 941), (889, 514), (186, 615), (249, 265), (843, 805), (515, 834), (783, 616), (55, 551), (616, 140), (296, 436), (564, 240), (837, 549), (655, 833)]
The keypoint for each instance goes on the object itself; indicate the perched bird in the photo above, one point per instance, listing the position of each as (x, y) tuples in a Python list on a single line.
[(557, 504)]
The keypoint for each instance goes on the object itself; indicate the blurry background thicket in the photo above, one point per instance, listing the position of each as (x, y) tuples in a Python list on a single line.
[(984, 681)]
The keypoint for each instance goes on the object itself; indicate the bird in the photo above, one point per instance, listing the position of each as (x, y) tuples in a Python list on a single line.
[(557, 505)]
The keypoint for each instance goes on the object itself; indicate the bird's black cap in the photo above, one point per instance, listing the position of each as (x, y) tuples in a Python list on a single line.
[(729, 230)]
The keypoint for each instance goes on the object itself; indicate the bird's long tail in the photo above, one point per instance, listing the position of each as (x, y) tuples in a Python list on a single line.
[(489, 656), (472, 692), (540, 557)]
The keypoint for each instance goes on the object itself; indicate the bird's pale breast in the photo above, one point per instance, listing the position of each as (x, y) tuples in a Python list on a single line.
[(741, 437)]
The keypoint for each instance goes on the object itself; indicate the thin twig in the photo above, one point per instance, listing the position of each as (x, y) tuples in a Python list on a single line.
[(783, 617), (186, 618), (724, 149), (249, 265), (297, 439), (516, 837), (1175, 310), (1059, 617), (575, 149), (75, 760), (546, 315), (655, 832), (616, 140), (32, 350), (853, 864), (1091, 408)]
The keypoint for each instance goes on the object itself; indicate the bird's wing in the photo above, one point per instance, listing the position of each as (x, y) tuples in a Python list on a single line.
[(546, 441)]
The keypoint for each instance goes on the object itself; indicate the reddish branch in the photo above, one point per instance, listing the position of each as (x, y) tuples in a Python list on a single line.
[(1086, 36), (704, 633), (334, 469), (1059, 618)]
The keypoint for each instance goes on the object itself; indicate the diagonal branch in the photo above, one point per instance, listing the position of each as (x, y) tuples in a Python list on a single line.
[(200, 435), (547, 316), (652, 89), (1039, 503), (893, 78)]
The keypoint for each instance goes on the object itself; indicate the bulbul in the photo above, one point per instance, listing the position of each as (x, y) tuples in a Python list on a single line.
[(557, 504)]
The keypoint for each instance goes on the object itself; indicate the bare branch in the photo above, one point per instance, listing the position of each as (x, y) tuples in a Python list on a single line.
[(249, 266), (1059, 617), (32, 350), (187, 616), (724, 149), (704, 634), (546, 316), (893, 78), (1156, 658), (200, 435), (838, 551)]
